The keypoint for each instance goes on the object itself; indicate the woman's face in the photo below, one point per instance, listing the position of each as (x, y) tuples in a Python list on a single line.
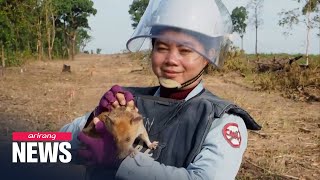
[(175, 61)]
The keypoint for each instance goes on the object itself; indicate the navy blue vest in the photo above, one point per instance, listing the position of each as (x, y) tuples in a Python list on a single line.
[(181, 126)]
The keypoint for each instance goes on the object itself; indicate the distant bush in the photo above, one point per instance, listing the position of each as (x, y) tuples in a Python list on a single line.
[(240, 64), (98, 51), (291, 77), (143, 57), (140, 55)]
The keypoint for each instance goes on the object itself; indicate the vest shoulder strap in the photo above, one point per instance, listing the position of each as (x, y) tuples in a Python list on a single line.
[(222, 106)]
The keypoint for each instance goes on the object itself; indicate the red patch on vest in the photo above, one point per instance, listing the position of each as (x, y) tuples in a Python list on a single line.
[(232, 134)]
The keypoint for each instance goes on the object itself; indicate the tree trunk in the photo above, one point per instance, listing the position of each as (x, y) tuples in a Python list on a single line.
[(67, 40), (307, 46), (2, 56), (50, 26), (39, 41), (256, 24), (53, 36), (256, 47), (48, 31), (74, 35), (241, 42), (69, 53), (72, 45), (308, 35)]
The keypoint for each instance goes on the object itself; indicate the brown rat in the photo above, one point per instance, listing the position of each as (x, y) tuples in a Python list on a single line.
[(125, 125)]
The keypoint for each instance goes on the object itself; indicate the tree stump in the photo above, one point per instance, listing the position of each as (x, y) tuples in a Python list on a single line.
[(66, 68)]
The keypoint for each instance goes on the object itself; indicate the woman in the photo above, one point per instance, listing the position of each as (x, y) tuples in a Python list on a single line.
[(200, 135)]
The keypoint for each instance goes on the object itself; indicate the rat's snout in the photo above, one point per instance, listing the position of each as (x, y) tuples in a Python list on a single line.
[(136, 115), (136, 118)]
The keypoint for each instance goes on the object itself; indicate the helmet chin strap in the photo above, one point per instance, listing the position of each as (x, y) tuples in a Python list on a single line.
[(169, 83)]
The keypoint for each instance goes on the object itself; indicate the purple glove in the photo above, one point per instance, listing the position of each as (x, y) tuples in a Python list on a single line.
[(100, 151), (110, 97)]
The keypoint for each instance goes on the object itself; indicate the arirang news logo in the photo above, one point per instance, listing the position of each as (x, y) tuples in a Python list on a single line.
[(41, 147)]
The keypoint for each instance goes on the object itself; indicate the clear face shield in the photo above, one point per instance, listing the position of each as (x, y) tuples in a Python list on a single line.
[(200, 28), (206, 25)]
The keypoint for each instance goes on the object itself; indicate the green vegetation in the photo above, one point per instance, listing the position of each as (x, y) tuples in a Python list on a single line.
[(293, 80), (42, 29), (136, 11), (239, 16)]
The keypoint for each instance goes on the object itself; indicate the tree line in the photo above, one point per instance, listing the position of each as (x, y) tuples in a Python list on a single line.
[(48, 29), (45, 29)]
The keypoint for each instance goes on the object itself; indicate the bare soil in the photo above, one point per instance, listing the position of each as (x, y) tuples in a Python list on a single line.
[(38, 96)]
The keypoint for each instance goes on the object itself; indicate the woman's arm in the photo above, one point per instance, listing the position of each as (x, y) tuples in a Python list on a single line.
[(220, 157), (75, 127)]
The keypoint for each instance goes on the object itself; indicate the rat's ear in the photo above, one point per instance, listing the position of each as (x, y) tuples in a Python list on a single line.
[(136, 120)]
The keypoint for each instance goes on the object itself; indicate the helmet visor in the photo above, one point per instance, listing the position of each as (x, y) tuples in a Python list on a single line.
[(208, 22)]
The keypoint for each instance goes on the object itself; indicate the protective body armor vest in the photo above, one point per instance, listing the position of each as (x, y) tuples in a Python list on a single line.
[(181, 126)]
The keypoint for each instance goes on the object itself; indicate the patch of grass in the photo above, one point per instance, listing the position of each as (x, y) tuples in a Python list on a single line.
[(143, 57), (293, 79), (240, 64), (140, 55)]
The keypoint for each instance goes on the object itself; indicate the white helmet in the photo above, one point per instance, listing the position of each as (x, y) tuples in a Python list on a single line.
[(207, 20)]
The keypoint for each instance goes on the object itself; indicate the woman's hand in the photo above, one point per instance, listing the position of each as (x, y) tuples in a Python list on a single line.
[(115, 98), (103, 151), (99, 151)]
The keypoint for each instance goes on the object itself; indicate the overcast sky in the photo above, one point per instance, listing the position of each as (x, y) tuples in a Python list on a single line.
[(111, 28)]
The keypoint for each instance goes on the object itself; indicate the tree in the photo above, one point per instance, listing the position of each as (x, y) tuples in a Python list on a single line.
[(136, 11), (5, 31), (98, 51), (316, 20), (239, 16), (29, 27), (50, 20), (73, 14), (307, 14), (254, 18), (17, 30), (83, 39)]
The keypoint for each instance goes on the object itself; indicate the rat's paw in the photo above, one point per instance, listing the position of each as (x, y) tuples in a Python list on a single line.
[(133, 152), (153, 145)]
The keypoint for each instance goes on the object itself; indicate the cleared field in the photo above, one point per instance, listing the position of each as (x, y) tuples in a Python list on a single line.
[(39, 97)]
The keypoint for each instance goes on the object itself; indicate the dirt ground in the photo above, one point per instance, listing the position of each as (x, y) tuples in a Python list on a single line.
[(39, 97)]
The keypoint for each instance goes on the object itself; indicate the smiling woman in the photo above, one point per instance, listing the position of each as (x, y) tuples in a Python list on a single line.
[(199, 134), (178, 61)]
